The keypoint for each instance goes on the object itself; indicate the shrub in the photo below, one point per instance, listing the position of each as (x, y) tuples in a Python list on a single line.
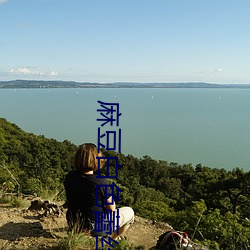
[(152, 210), (76, 241), (18, 202), (5, 200)]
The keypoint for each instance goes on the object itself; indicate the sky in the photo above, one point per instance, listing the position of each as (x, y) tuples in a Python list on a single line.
[(125, 40)]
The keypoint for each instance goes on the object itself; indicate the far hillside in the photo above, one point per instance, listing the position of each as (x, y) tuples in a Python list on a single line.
[(16, 84)]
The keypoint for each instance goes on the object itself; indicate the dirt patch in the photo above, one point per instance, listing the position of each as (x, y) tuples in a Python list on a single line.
[(25, 229), (145, 232)]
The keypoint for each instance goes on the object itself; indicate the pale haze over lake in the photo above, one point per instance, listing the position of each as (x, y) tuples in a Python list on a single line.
[(207, 126)]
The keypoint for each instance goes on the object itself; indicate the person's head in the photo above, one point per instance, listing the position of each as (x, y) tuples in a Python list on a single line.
[(85, 158)]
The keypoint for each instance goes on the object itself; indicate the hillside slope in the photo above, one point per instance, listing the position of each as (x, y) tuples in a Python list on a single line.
[(215, 200), (25, 229)]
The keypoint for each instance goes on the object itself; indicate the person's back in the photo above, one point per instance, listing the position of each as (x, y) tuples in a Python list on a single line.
[(81, 196), (84, 200)]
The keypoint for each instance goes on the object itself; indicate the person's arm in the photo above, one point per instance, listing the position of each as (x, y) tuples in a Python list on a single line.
[(110, 206)]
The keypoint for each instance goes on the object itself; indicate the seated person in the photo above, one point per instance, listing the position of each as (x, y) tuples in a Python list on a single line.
[(80, 186)]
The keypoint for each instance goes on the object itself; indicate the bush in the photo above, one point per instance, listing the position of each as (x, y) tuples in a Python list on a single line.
[(152, 210), (18, 202), (5, 200), (76, 241)]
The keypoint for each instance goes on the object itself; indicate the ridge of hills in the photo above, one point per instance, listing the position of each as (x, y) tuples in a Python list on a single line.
[(72, 84)]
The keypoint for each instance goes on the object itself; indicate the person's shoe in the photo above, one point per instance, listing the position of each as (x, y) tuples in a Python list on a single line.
[(121, 237)]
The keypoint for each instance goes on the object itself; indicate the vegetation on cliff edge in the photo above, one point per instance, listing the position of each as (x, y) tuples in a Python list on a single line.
[(212, 205)]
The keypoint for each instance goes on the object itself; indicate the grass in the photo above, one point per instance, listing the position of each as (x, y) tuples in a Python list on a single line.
[(84, 241), (5, 200), (75, 241), (52, 195), (14, 201), (19, 202)]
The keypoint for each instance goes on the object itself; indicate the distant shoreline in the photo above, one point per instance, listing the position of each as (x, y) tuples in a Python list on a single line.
[(21, 84)]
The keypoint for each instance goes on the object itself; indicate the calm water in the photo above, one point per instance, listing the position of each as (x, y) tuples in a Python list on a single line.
[(207, 126)]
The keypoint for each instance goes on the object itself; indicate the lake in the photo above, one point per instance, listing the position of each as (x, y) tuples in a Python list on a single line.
[(207, 126)]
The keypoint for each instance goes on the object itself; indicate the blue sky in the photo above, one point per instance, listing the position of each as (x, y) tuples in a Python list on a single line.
[(125, 40)]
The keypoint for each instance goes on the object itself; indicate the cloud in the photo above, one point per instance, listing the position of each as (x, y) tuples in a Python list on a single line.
[(53, 73), (22, 71), (31, 71), (211, 72), (3, 1), (218, 70)]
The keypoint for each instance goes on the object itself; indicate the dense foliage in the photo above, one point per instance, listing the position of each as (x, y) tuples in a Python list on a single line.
[(38, 163), (212, 205)]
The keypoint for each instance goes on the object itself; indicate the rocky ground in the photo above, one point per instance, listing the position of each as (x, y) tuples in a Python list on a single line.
[(43, 228)]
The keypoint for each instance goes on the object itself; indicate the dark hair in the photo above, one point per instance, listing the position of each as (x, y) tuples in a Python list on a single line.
[(85, 158)]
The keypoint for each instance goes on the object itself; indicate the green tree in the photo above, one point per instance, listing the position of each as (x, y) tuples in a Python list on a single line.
[(154, 210)]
